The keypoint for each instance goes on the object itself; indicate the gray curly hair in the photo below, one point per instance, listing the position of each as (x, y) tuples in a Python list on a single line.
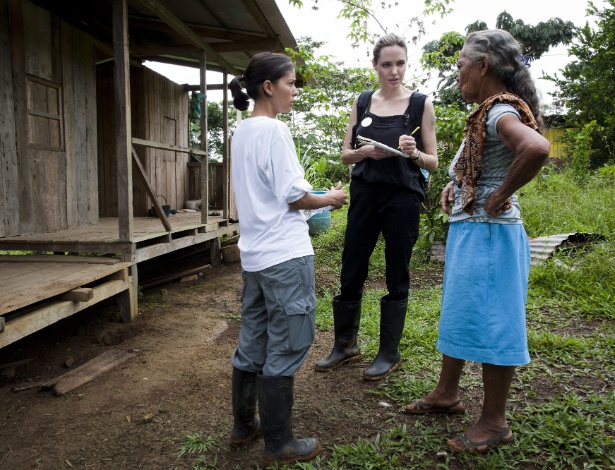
[(503, 53)]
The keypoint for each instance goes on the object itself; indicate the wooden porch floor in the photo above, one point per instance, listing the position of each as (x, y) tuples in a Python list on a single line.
[(150, 239), (41, 289)]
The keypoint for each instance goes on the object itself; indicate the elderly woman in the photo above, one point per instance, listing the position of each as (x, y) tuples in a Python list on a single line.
[(487, 257)]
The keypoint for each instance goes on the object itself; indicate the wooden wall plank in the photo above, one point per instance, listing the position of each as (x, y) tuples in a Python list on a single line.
[(43, 55), (183, 139), (80, 135), (48, 188), (9, 181), (70, 139), (37, 37), (139, 121), (18, 60), (107, 148)]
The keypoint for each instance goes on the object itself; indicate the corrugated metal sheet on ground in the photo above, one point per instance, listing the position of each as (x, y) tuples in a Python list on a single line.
[(542, 248)]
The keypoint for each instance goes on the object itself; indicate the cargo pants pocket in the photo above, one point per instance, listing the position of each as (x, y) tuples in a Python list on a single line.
[(301, 320)]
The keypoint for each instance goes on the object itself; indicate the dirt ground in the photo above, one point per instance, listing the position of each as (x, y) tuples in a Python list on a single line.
[(177, 383)]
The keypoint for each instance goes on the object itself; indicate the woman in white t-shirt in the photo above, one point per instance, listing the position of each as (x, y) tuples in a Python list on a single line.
[(277, 260)]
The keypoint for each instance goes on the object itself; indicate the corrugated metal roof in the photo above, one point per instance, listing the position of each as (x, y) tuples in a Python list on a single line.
[(542, 248), (234, 30)]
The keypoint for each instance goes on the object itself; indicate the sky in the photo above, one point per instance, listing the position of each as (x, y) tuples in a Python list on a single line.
[(323, 25)]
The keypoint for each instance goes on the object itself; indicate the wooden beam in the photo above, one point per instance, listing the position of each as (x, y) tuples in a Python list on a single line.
[(41, 318), (87, 372), (173, 148), (225, 149), (212, 87), (123, 131), (201, 31), (256, 45), (150, 191), (183, 30), (81, 294), (203, 122), (154, 50), (127, 300), (109, 50), (262, 20), (260, 45), (102, 247), (58, 259)]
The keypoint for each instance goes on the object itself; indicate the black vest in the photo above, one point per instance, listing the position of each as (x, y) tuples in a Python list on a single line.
[(395, 170)]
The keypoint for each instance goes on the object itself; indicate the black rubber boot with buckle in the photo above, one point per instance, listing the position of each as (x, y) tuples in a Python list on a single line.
[(392, 319), (275, 402), (246, 425), (346, 321)]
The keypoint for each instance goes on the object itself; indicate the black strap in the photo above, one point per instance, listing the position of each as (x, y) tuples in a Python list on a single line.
[(362, 103), (364, 99)]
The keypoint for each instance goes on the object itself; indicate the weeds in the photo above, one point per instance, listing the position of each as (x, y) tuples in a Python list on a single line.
[(562, 405), (199, 443)]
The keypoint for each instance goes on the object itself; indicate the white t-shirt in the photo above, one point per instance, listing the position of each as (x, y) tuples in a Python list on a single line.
[(267, 177)]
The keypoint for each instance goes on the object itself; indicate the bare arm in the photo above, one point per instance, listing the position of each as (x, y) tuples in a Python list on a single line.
[(428, 159), (531, 152), (336, 197), (447, 198)]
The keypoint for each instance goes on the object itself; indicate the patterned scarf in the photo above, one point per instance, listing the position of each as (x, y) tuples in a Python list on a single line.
[(470, 163)]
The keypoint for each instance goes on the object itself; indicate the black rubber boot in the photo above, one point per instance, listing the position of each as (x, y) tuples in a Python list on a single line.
[(246, 425), (392, 318), (346, 320), (275, 402)]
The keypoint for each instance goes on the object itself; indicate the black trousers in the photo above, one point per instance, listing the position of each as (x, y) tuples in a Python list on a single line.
[(379, 208)]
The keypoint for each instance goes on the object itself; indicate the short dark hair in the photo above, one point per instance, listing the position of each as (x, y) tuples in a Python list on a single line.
[(262, 67)]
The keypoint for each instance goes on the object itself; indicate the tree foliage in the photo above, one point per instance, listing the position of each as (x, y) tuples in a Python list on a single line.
[(587, 85), (215, 125), (442, 54), (322, 110), (364, 16)]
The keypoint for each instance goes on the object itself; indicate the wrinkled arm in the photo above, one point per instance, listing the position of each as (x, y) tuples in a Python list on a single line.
[(531, 152)]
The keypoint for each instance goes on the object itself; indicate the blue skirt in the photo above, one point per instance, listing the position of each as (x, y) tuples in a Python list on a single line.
[(484, 293)]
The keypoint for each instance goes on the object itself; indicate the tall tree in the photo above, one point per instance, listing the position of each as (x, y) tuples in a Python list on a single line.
[(365, 25), (442, 54), (587, 85)]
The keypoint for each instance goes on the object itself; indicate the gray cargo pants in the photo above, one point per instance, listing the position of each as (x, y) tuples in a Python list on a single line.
[(278, 318)]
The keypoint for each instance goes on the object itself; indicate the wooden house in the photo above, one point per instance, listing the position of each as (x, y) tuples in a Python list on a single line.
[(92, 143)]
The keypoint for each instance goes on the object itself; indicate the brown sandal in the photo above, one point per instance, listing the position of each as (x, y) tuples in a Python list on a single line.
[(505, 437), (421, 407)]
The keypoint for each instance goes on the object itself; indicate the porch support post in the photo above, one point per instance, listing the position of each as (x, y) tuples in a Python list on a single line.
[(225, 148), (123, 132), (203, 122)]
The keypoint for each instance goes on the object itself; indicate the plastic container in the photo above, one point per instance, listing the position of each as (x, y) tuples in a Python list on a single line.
[(321, 222)]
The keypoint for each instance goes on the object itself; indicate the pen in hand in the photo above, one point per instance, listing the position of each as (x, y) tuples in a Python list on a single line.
[(412, 133)]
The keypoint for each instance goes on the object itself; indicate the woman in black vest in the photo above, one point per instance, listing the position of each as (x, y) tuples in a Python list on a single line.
[(386, 194)]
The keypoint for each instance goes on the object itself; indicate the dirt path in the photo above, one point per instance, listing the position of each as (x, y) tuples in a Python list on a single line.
[(178, 383)]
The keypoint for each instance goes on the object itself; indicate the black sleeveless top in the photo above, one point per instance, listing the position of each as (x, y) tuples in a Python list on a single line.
[(395, 170)]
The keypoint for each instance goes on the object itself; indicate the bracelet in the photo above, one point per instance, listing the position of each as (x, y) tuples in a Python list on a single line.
[(418, 154)]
